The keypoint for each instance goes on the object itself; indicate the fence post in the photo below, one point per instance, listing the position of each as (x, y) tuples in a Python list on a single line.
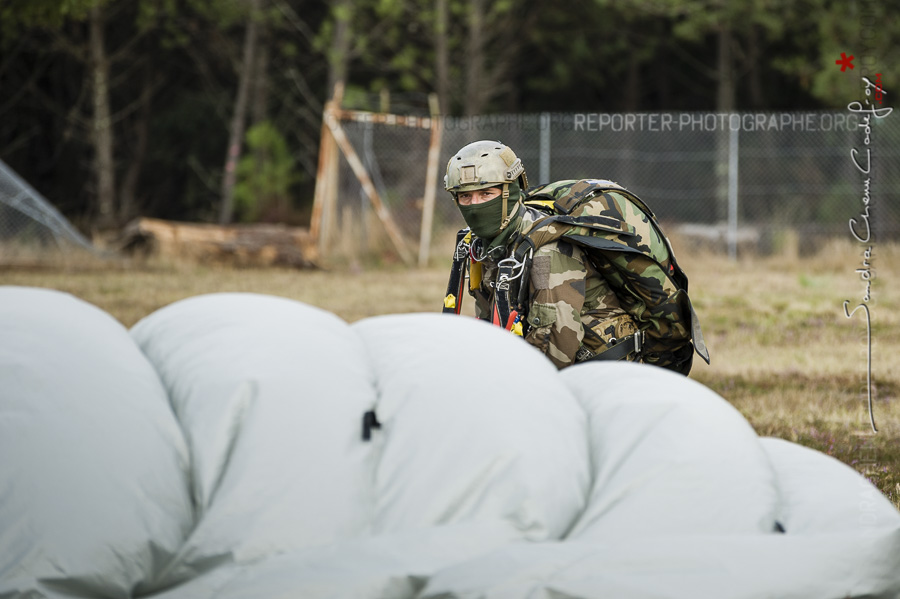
[(544, 126), (732, 190)]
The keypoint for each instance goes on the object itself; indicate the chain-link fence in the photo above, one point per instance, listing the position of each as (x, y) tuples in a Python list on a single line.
[(736, 182), (30, 227)]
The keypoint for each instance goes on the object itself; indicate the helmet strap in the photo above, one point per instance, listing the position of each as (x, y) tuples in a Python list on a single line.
[(508, 217)]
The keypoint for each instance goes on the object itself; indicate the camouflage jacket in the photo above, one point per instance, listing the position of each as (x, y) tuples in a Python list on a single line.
[(571, 310)]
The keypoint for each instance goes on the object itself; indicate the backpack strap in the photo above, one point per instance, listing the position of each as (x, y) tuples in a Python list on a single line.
[(536, 238), (697, 335)]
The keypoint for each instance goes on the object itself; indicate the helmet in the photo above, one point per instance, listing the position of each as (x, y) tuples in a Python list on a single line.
[(483, 164)]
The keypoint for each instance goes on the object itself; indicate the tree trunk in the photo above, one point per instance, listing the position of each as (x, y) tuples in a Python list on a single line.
[(259, 105), (442, 68), (725, 71), (128, 207), (259, 112), (340, 45), (237, 120), (475, 59), (756, 93), (633, 83), (724, 103), (102, 133)]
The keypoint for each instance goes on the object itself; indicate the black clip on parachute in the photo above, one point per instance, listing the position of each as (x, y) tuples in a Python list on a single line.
[(370, 421)]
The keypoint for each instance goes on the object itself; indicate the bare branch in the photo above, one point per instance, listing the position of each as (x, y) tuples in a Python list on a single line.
[(10, 58), (210, 80), (209, 179), (305, 91), (124, 75), (17, 95), (126, 48), (15, 144), (73, 116), (694, 63), (64, 44), (141, 100), (298, 24)]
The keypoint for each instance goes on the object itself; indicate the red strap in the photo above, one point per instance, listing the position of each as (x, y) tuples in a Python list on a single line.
[(512, 320), (461, 289)]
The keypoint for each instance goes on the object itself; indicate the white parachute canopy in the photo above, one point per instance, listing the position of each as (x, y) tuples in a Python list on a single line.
[(239, 445)]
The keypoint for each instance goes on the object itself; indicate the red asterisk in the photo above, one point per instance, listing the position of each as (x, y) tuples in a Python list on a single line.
[(845, 62)]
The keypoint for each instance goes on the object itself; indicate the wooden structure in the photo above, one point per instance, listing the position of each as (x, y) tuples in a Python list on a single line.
[(334, 143)]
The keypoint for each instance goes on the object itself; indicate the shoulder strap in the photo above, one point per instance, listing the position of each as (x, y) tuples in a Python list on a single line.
[(453, 299)]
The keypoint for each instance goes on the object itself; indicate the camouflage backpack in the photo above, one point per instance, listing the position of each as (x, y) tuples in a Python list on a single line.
[(624, 242)]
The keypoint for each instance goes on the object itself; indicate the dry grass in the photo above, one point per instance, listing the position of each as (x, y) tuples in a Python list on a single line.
[(782, 350)]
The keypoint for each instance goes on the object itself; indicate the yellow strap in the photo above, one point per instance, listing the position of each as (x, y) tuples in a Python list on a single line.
[(450, 301), (545, 203), (475, 273)]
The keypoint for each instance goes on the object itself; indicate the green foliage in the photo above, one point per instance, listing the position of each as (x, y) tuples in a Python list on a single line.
[(590, 55), (862, 29), (264, 175), (19, 16)]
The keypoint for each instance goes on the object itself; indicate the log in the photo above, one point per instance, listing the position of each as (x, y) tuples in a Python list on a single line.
[(240, 245)]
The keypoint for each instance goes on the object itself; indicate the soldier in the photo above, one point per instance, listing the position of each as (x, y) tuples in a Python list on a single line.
[(571, 313)]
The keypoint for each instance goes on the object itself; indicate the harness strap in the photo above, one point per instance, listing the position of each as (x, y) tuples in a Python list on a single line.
[(453, 299), (502, 308), (621, 349)]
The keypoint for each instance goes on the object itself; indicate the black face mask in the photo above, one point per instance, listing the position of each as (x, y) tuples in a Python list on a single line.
[(485, 219)]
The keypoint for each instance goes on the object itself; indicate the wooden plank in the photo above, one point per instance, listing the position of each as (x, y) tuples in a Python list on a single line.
[(383, 118), (322, 218), (321, 192), (431, 174)]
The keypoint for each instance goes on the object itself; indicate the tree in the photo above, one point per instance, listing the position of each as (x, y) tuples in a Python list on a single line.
[(102, 129), (441, 55), (239, 114), (493, 50), (93, 116), (265, 175)]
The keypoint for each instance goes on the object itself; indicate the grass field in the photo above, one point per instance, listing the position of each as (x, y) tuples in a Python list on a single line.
[(783, 351)]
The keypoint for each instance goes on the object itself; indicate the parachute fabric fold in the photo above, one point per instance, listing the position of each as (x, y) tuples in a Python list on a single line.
[(270, 393), (823, 495), (385, 566), (829, 566), (93, 467), (669, 457), (466, 436)]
